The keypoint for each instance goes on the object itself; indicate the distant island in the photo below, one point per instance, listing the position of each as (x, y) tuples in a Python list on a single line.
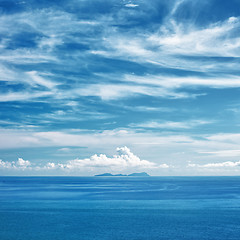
[(142, 174)]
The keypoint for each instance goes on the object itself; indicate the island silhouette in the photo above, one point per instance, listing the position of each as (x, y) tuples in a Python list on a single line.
[(142, 174)]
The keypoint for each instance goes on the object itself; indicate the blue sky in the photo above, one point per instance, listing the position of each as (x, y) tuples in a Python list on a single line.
[(120, 86)]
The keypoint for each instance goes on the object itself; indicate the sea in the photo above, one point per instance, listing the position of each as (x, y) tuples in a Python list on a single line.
[(119, 208)]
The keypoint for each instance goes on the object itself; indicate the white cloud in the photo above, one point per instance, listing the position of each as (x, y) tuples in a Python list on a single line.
[(225, 137), (40, 80), (170, 82), (20, 56), (50, 166), (64, 149), (216, 165), (151, 85), (8, 74), (149, 109), (124, 159), (4, 164), (164, 165), (224, 153), (171, 125), (223, 164), (125, 90), (23, 96), (131, 5), (163, 46), (172, 38), (233, 20), (216, 40), (175, 6), (10, 138), (107, 139), (20, 164)]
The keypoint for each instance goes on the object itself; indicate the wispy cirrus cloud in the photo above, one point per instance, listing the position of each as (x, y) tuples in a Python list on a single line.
[(66, 31), (125, 90), (188, 40), (171, 124), (23, 96), (170, 82)]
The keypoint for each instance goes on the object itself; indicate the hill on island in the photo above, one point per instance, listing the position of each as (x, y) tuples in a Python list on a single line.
[(142, 174)]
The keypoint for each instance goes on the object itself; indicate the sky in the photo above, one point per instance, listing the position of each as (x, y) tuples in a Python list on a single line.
[(120, 86)]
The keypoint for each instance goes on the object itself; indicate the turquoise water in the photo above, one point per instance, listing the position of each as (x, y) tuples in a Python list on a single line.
[(87, 208)]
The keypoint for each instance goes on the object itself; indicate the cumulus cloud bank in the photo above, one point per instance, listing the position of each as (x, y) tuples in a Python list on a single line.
[(123, 160), (19, 164)]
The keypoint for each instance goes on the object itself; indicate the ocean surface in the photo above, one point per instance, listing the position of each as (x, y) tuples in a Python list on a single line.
[(119, 208)]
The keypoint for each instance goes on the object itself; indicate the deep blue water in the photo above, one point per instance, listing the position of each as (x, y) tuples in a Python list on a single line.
[(119, 208)]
